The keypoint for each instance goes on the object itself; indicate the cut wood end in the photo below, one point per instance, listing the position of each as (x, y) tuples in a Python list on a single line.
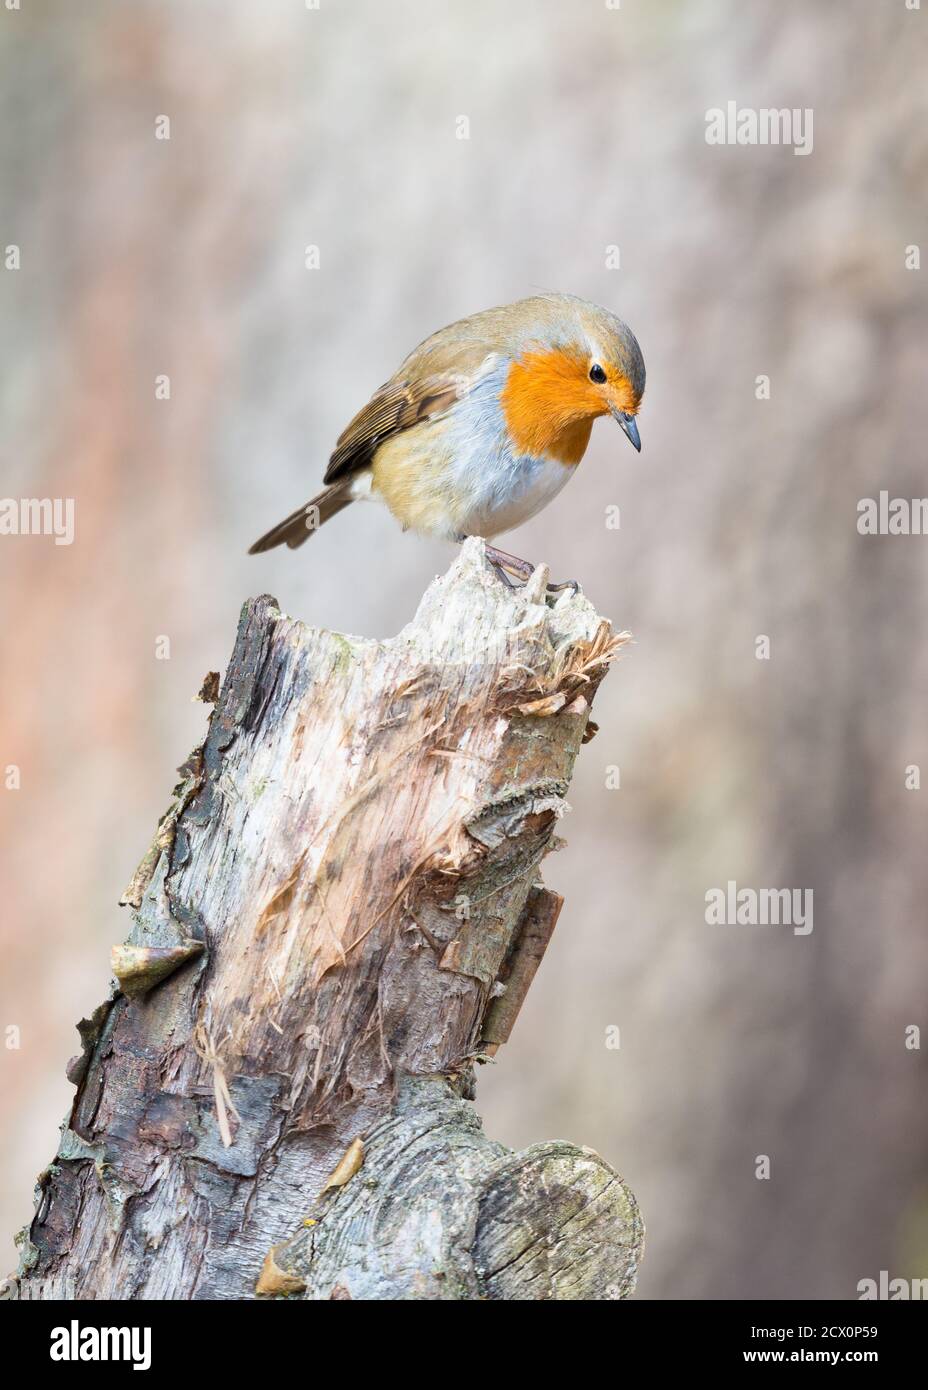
[(557, 1222)]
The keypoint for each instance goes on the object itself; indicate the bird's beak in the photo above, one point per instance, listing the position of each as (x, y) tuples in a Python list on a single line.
[(629, 426)]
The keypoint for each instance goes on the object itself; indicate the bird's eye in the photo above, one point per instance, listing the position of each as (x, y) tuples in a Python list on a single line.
[(597, 374)]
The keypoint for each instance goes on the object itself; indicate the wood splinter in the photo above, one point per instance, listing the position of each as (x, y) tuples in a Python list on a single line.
[(542, 909)]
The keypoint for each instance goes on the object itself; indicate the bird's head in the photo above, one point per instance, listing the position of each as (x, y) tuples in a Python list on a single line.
[(576, 361)]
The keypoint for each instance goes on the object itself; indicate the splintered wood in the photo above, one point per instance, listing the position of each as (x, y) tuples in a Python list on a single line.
[(344, 895)]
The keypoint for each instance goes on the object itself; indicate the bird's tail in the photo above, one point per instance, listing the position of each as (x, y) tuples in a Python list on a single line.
[(300, 525)]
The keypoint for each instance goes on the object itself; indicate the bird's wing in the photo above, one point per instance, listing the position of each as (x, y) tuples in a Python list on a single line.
[(393, 407), (396, 406), (430, 381)]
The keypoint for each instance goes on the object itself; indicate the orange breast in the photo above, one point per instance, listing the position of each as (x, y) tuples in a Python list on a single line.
[(549, 404)]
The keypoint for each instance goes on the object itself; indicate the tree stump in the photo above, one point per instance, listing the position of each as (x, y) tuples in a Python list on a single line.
[(339, 917)]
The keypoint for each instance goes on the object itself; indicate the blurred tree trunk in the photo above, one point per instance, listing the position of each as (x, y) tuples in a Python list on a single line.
[(340, 914)]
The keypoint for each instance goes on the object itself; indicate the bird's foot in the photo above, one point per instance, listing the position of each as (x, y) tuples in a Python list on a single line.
[(507, 565)]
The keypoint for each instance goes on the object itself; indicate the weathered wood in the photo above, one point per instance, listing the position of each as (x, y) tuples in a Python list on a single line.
[(339, 913)]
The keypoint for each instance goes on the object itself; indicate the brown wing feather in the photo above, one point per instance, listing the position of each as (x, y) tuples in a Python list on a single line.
[(396, 406)]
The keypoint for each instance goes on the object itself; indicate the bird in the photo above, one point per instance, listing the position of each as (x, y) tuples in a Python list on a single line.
[(482, 424)]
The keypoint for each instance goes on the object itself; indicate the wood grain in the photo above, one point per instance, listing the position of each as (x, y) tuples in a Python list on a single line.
[(348, 878)]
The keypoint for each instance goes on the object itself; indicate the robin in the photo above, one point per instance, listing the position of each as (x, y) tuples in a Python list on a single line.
[(483, 424)]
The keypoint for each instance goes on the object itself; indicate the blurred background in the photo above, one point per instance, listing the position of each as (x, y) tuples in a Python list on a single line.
[(337, 128)]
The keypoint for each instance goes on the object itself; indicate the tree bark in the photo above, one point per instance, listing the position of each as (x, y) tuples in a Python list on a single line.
[(339, 917)]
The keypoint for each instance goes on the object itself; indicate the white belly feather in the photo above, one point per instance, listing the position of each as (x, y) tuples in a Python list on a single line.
[(509, 492)]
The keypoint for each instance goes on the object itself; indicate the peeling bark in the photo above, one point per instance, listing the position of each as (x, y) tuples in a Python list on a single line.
[(341, 913)]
